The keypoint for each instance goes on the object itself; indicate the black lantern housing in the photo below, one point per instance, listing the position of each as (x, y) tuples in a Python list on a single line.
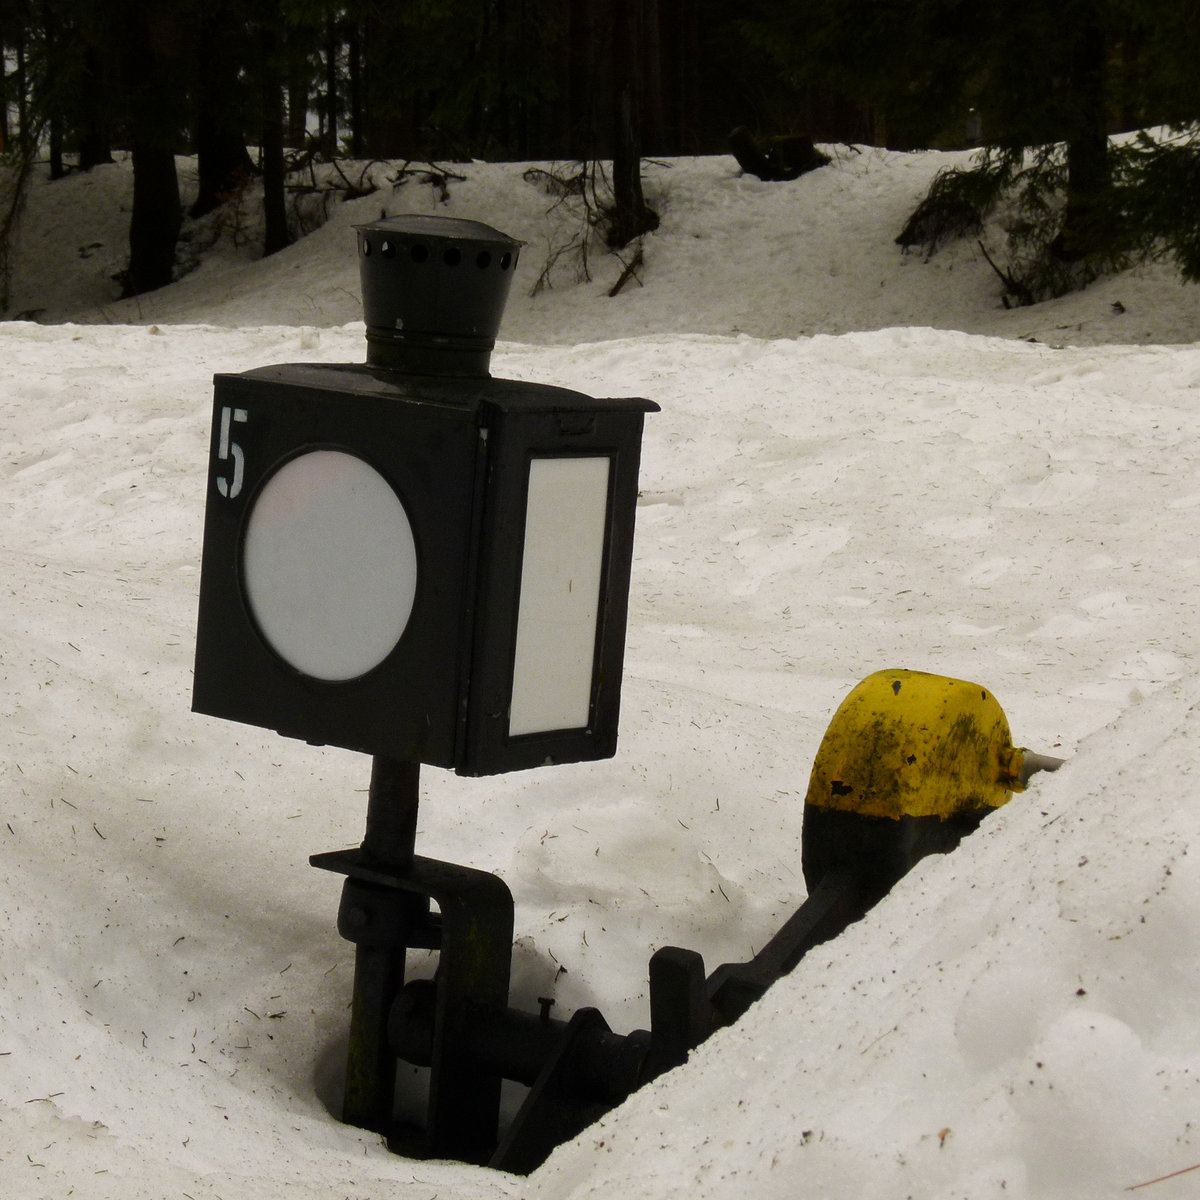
[(407, 557)]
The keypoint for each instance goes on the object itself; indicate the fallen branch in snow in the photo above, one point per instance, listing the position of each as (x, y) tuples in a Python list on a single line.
[(1014, 288), (631, 270), (1163, 1178)]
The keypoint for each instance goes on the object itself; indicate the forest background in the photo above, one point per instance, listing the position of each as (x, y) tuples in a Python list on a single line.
[(259, 90)]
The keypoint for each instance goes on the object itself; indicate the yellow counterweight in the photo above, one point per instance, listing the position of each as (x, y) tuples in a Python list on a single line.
[(908, 744)]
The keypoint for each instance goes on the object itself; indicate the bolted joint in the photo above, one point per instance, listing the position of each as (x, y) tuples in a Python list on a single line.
[(383, 917)]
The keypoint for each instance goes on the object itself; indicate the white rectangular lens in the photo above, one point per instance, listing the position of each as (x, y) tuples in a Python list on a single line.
[(558, 608)]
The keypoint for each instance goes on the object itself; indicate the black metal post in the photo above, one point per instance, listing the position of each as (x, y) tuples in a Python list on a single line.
[(392, 805), (378, 962)]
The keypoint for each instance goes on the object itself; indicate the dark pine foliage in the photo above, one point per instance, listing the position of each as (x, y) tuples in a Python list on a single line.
[(1041, 83)]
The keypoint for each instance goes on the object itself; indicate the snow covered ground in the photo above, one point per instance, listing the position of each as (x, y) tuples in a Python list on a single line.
[(860, 462)]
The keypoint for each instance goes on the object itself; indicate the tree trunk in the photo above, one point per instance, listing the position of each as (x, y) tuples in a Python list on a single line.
[(95, 142), (157, 216), (629, 216), (679, 39), (222, 160), (1086, 222), (574, 112), (297, 114), (299, 40), (671, 75), (57, 169), (388, 131), (49, 98), (653, 113), (22, 90), (151, 54), (3, 101), (354, 54), (332, 96), (276, 235)]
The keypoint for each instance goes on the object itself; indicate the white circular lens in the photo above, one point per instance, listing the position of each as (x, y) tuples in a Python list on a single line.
[(329, 565)]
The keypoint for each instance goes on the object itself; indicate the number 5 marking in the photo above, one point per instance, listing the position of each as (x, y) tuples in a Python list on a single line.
[(227, 449)]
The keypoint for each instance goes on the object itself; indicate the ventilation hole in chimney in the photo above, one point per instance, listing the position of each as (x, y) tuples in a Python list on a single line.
[(505, 261), (419, 253), (483, 260), (452, 256), (387, 249), (364, 245)]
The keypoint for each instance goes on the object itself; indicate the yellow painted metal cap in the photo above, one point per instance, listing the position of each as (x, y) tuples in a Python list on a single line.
[(909, 744)]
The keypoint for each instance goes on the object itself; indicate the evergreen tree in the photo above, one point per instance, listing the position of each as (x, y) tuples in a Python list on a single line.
[(1053, 79), (151, 41), (907, 65), (218, 104), (269, 62)]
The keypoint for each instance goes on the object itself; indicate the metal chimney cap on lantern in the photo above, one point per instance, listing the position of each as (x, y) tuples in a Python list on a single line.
[(434, 290)]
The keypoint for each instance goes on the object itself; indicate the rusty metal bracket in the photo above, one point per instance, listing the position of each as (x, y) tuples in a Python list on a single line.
[(386, 909), (474, 936)]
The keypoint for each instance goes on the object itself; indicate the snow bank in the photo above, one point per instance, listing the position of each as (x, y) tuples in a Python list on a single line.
[(1014, 1020), (734, 255)]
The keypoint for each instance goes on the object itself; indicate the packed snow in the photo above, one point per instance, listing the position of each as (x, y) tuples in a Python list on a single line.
[(862, 461)]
